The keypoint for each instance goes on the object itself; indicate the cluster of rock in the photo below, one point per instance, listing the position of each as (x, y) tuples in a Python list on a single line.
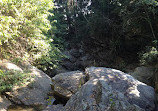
[(108, 89), (95, 89), (76, 60)]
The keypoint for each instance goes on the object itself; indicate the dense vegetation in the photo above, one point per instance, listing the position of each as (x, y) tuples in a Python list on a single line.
[(23, 33), (9, 79), (36, 31), (125, 28)]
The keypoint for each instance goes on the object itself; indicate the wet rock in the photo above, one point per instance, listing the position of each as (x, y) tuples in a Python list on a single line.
[(66, 84), (111, 90)]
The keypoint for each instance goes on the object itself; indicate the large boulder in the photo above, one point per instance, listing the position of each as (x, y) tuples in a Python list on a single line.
[(66, 84), (143, 74), (33, 92), (111, 90), (4, 103)]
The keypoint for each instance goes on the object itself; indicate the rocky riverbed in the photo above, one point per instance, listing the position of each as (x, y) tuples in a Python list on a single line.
[(95, 89)]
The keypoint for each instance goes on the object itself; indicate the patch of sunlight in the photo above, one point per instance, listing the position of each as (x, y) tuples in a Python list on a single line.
[(115, 70), (134, 91), (97, 70), (37, 56), (25, 57), (11, 66), (36, 72), (103, 78), (95, 81), (110, 76)]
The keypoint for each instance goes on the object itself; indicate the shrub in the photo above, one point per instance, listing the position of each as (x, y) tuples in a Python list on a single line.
[(23, 32), (150, 57), (9, 79)]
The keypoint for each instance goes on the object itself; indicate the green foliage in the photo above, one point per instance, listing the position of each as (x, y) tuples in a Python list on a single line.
[(23, 18), (9, 79), (150, 57), (24, 26), (119, 27), (51, 100)]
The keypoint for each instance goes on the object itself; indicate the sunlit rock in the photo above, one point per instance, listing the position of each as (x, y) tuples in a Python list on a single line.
[(9, 66), (111, 90)]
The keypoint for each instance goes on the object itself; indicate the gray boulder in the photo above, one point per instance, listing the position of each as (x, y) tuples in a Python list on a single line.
[(33, 92), (143, 74), (4, 103), (66, 84), (111, 90)]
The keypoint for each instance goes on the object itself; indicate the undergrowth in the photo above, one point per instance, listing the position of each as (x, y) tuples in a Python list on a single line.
[(9, 79)]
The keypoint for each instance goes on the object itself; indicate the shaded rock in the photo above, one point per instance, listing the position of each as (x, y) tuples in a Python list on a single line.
[(75, 53), (58, 107), (60, 69), (4, 103), (66, 84), (22, 108), (156, 82), (67, 65), (143, 74), (33, 92), (111, 90)]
